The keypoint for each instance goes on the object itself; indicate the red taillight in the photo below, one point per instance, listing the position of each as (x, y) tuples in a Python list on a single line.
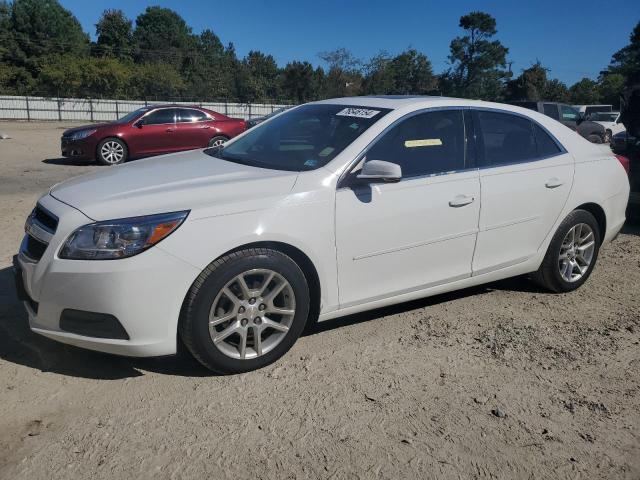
[(624, 161)]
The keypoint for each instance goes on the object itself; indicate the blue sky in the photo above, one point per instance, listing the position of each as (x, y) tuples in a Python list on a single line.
[(574, 39)]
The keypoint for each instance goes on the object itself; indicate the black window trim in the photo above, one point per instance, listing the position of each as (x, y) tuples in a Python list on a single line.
[(517, 114), (208, 118), (342, 181)]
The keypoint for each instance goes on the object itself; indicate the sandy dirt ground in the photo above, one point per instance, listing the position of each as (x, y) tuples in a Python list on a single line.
[(500, 381)]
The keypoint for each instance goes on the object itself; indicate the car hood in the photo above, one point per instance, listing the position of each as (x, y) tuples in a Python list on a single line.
[(91, 126), (175, 182)]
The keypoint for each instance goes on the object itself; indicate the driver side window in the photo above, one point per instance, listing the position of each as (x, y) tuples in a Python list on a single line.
[(425, 144)]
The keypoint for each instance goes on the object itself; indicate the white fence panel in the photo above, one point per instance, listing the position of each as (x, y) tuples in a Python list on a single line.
[(102, 110)]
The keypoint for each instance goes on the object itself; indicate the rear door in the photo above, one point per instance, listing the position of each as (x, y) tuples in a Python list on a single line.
[(525, 179), (192, 129)]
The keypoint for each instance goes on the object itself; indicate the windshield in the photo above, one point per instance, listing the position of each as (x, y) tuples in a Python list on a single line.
[(132, 115), (604, 117), (305, 138)]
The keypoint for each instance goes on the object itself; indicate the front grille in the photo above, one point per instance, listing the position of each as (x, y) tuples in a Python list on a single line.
[(40, 227), (32, 248), (45, 218)]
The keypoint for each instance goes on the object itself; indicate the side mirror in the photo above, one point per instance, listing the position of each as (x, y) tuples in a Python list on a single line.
[(380, 171), (581, 118), (139, 123)]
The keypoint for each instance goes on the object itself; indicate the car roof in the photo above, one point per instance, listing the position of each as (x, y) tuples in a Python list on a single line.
[(173, 105)]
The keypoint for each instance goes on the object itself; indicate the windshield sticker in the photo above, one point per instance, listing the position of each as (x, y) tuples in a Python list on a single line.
[(326, 151), (427, 142), (310, 163), (358, 113)]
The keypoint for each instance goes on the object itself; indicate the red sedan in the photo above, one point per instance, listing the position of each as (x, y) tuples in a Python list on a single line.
[(152, 130)]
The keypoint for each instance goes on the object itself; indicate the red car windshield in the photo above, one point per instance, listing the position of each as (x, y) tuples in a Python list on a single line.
[(304, 138), (129, 117)]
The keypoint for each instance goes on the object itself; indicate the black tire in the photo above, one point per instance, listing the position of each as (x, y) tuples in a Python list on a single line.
[(593, 138), (120, 152), (548, 275), (216, 140), (194, 319)]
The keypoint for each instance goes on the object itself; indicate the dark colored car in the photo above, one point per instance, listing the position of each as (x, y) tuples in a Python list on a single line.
[(152, 130), (256, 120), (569, 116)]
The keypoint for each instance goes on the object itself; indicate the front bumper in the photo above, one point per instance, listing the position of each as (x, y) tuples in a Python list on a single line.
[(81, 149), (144, 293)]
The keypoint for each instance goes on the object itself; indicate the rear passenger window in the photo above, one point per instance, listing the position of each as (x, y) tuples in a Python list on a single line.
[(503, 138), (551, 110), (546, 147), (188, 115), (425, 144)]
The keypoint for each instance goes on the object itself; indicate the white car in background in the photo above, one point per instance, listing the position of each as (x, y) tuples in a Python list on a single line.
[(610, 121), (331, 208)]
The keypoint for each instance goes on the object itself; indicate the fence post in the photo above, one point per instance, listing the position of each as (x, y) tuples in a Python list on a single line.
[(28, 112), (117, 111), (249, 111), (59, 114), (226, 108), (91, 109)]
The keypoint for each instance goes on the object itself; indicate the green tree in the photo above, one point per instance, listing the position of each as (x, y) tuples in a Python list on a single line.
[(610, 86), (343, 77), (410, 72), (585, 92), (161, 35), (211, 74), (626, 61), (70, 75), (477, 62), (157, 81), (257, 77), (530, 85), (115, 35), (36, 29), (297, 83), (556, 91)]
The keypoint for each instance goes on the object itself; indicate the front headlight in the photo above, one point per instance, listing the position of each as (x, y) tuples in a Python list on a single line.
[(82, 134), (113, 239)]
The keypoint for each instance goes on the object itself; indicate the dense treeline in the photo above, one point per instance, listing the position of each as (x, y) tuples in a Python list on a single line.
[(44, 51)]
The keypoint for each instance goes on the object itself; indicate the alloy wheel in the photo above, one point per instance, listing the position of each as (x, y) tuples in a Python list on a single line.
[(252, 314), (217, 143), (112, 152), (576, 252)]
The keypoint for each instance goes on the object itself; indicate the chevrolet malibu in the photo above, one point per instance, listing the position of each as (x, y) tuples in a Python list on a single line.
[(327, 209), (149, 131)]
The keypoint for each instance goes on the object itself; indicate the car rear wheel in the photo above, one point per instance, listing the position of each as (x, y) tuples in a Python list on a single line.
[(217, 141), (111, 151), (593, 138), (245, 310), (572, 253)]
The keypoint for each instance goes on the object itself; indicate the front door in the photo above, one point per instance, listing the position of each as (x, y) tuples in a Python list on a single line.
[(393, 238), (156, 133)]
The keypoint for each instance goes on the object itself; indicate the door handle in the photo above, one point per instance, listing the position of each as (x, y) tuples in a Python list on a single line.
[(206, 127), (553, 183), (461, 200), (171, 130)]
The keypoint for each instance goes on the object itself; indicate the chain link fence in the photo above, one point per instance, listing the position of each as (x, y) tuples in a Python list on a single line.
[(101, 110)]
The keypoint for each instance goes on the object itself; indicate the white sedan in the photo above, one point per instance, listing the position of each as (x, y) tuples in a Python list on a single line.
[(611, 123), (327, 209)]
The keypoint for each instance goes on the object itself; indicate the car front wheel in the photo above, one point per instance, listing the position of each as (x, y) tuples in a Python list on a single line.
[(245, 310), (217, 141), (572, 253), (111, 151)]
